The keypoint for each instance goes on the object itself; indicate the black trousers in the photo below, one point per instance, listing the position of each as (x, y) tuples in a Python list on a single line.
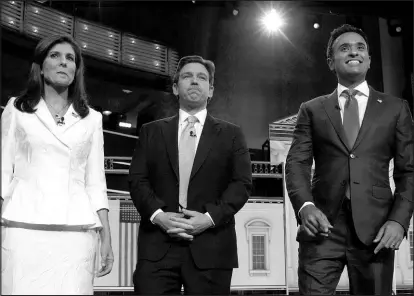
[(322, 261), (175, 269)]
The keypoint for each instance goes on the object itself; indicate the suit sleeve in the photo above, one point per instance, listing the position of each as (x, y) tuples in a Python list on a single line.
[(95, 170), (142, 194), (402, 209), (238, 191), (299, 162), (8, 146)]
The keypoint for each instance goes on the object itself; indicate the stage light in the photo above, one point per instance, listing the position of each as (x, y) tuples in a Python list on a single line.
[(316, 26), (125, 124), (107, 112), (235, 12), (273, 21), (395, 26)]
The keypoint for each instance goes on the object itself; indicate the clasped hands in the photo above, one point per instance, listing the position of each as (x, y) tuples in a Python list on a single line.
[(183, 225), (316, 223)]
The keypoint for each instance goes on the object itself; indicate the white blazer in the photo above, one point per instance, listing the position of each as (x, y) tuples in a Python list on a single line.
[(52, 174)]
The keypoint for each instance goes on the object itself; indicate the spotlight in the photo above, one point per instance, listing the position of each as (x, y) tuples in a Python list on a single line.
[(107, 112), (273, 21), (316, 21), (394, 27), (235, 12)]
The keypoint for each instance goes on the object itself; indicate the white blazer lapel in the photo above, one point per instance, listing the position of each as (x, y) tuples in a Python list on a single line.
[(71, 117), (44, 115)]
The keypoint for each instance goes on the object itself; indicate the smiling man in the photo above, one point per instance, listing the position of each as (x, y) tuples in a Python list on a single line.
[(348, 214), (189, 176)]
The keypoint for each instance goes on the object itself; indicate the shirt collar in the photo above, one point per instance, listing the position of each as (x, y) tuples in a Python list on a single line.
[(362, 88), (201, 116)]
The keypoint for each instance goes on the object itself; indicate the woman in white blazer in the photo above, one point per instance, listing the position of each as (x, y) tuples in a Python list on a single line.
[(54, 201)]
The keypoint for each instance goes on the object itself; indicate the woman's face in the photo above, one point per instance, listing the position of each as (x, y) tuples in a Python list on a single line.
[(59, 66)]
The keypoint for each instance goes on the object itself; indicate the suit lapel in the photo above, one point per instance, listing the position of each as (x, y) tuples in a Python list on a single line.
[(330, 103), (170, 135), (371, 113), (71, 117), (45, 117), (210, 131)]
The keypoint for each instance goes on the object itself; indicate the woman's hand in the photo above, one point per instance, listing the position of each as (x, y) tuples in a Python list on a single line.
[(107, 258)]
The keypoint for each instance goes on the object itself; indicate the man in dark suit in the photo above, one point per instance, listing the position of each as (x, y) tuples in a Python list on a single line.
[(348, 215), (189, 176)]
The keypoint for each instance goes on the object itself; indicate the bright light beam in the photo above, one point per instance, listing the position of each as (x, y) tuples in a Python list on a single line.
[(272, 21)]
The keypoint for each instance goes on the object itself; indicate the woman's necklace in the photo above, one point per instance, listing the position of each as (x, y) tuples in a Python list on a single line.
[(60, 120)]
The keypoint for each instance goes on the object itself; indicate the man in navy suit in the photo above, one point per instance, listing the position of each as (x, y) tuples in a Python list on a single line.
[(348, 215), (190, 174)]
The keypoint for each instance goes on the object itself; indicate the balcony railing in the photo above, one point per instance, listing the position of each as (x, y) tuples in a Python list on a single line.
[(260, 169), (96, 40)]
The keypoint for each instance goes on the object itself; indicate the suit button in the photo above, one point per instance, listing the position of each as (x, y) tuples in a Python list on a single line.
[(352, 156)]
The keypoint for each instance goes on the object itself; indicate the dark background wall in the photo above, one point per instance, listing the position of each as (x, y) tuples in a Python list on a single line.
[(259, 78)]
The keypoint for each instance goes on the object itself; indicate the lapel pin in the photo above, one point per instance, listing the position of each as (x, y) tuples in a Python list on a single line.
[(379, 101), (75, 115)]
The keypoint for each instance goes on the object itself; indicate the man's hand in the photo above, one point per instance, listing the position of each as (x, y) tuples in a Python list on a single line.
[(199, 221), (314, 221), (164, 220), (389, 236)]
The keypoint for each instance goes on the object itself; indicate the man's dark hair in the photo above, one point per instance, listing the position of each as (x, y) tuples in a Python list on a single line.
[(195, 59), (338, 32)]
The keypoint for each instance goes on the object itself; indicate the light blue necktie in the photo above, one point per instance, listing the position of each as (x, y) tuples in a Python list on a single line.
[(186, 154)]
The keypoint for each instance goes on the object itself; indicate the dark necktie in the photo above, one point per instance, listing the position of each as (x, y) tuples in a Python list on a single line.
[(351, 116), (350, 122)]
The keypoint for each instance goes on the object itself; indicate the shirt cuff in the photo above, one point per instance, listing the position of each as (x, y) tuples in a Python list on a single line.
[(155, 214), (208, 215), (304, 205)]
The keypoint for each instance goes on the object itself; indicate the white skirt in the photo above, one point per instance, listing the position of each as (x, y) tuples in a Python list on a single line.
[(47, 262)]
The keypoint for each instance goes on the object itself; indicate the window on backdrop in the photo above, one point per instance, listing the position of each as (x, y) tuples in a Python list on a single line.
[(258, 236)]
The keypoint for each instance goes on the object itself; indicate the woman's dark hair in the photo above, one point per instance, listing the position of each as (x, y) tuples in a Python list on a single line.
[(30, 97)]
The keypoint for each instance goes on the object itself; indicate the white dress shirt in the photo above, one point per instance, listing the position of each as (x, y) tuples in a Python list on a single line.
[(198, 126), (362, 98)]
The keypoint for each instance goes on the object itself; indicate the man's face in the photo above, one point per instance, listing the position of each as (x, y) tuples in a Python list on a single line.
[(350, 59), (193, 87)]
